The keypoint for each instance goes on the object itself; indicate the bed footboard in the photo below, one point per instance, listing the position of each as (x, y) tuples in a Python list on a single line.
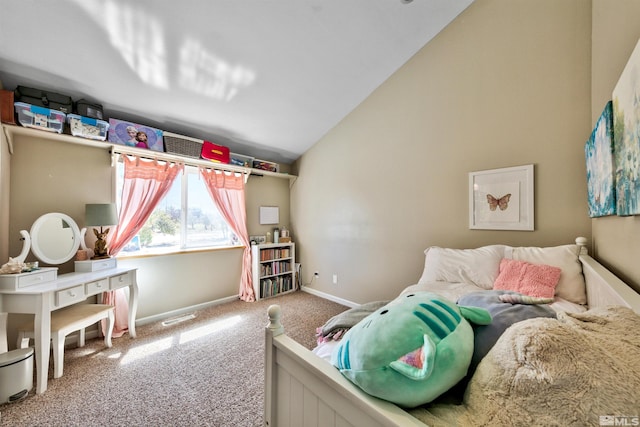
[(301, 389)]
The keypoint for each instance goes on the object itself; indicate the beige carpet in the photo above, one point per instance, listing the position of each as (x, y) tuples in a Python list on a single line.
[(207, 371)]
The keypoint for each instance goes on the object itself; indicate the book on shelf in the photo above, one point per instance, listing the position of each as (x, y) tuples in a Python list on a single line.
[(275, 285), (275, 267), (274, 253)]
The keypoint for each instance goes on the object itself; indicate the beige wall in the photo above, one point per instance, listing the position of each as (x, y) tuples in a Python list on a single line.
[(54, 176), (4, 198), (615, 34), (506, 84), (266, 191)]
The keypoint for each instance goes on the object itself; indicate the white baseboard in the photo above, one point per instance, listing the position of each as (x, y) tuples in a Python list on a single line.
[(329, 297), (181, 311)]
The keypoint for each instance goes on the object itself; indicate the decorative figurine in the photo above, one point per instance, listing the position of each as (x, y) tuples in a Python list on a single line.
[(101, 244)]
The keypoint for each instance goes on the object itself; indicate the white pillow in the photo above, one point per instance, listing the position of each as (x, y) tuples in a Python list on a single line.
[(571, 285), (478, 267)]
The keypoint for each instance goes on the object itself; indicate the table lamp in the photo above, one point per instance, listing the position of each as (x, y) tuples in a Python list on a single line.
[(100, 215)]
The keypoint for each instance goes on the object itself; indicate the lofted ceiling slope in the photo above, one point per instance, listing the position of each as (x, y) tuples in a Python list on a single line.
[(268, 78)]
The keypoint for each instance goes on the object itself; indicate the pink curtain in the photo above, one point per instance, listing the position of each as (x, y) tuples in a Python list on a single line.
[(145, 183), (227, 191)]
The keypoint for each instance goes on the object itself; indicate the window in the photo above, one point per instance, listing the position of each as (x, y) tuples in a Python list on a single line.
[(186, 218)]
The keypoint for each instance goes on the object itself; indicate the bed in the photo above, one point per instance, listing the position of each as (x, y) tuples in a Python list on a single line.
[(302, 389)]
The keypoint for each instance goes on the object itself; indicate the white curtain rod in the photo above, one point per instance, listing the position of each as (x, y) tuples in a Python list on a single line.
[(167, 157)]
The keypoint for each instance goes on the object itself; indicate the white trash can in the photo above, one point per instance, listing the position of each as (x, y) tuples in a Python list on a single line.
[(16, 374)]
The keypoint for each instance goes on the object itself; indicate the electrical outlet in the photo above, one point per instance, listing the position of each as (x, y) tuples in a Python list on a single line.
[(335, 279)]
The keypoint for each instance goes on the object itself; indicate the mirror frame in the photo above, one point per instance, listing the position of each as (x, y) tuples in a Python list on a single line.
[(36, 228)]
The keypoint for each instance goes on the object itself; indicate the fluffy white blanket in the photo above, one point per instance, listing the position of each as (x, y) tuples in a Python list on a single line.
[(567, 371)]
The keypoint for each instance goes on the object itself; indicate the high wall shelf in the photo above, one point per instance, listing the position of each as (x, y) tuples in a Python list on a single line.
[(11, 131), (273, 269)]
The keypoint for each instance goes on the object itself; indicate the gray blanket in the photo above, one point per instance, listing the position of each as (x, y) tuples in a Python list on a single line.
[(503, 315), (340, 323)]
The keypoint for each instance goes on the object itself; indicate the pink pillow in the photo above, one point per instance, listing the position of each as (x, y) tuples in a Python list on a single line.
[(536, 280)]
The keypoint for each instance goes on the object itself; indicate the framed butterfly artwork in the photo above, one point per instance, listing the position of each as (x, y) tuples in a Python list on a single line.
[(501, 199)]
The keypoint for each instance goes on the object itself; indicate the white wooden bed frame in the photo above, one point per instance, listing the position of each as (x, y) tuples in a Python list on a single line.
[(303, 390)]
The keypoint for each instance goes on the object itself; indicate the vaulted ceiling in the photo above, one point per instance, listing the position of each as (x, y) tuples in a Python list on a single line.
[(268, 78)]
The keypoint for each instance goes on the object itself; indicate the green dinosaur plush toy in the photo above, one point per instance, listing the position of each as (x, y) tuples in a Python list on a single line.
[(411, 350)]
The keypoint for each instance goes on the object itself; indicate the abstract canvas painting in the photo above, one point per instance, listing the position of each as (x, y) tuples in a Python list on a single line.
[(600, 173), (626, 136)]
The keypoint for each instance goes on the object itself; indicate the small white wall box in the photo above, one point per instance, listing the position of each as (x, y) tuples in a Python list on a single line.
[(269, 215), (16, 374)]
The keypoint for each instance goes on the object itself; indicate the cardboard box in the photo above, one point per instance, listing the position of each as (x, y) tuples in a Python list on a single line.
[(7, 113)]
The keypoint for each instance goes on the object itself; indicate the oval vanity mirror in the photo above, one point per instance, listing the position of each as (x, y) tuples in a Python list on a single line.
[(55, 238)]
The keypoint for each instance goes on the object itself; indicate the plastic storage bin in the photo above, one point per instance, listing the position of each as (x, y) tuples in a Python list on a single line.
[(40, 117), (16, 374), (241, 160), (87, 127), (265, 165)]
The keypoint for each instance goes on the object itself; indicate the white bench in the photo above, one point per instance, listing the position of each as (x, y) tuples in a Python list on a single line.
[(68, 320)]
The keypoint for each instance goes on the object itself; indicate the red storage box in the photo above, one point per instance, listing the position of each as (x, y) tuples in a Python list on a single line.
[(215, 153)]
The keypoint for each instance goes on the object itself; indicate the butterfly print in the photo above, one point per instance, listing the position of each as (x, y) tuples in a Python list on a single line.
[(502, 202)]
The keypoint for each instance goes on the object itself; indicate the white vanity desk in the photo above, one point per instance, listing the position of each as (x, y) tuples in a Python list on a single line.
[(67, 289), (54, 239)]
